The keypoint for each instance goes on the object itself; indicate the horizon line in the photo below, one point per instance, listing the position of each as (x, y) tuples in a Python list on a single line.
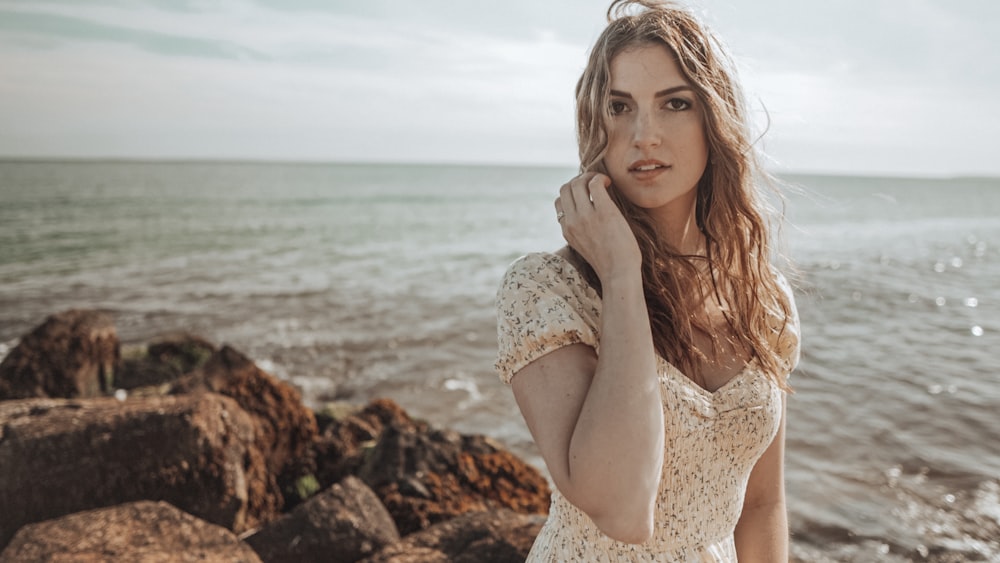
[(455, 164)]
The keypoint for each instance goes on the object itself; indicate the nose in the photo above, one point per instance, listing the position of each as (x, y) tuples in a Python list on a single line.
[(645, 131)]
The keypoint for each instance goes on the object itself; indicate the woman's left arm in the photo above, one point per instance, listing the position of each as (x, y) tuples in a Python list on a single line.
[(762, 531)]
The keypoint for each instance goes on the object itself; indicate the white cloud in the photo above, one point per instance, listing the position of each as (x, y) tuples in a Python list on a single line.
[(910, 86)]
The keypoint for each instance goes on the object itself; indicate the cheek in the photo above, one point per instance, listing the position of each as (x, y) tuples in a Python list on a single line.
[(696, 143), (615, 155), (616, 140)]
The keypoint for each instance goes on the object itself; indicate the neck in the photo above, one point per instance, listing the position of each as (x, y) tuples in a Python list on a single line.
[(679, 228)]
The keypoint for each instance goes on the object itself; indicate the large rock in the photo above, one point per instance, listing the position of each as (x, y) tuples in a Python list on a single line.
[(163, 360), (349, 432), (141, 531), (499, 536), (284, 428), (423, 475), (346, 522), (71, 354), (62, 456)]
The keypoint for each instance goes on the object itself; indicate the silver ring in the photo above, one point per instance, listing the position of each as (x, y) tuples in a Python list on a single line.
[(560, 215)]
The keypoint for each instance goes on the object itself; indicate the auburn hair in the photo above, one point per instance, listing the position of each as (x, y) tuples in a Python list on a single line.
[(730, 212)]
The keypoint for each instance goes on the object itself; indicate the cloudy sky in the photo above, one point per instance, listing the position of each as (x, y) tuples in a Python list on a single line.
[(853, 86)]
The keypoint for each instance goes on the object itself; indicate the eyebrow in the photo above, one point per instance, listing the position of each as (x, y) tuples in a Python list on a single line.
[(660, 94)]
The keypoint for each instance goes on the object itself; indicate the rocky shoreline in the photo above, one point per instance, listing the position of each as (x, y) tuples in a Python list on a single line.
[(184, 451)]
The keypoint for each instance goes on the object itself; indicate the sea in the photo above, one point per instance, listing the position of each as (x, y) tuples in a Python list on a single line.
[(357, 281)]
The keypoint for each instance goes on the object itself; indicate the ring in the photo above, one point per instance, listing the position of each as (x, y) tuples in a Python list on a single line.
[(560, 215)]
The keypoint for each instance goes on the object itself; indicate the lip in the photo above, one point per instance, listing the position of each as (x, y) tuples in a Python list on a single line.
[(647, 169)]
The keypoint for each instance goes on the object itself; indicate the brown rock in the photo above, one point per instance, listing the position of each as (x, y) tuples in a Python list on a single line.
[(428, 476), (499, 536), (62, 456), (71, 354), (414, 475), (285, 429), (140, 531), (164, 360), (343, 523), (346, 438), (485, 467), (424, 476)]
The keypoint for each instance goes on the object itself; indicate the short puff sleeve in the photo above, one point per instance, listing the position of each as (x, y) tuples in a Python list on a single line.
[(543, 304)]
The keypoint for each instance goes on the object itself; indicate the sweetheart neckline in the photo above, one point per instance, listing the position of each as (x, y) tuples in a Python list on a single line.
[(678, 374)]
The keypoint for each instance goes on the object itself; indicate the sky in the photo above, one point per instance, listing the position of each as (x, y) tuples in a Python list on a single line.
[(885, 87)]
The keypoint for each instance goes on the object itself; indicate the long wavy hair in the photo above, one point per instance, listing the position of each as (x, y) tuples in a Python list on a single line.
[(730, 212)]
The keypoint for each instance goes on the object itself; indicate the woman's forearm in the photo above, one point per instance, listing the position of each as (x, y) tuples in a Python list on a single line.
[(616, 450), (762, 534)]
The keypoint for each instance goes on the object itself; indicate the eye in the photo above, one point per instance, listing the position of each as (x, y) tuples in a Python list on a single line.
[(677, 104), (617, 107)]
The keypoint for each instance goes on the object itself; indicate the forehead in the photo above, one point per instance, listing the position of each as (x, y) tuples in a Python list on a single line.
[(648, 64)]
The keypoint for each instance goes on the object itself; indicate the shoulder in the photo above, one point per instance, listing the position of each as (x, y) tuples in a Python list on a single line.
[(783, 284), (545, 272), (543, 304), (543, 264), (788, 335), (787, 294)]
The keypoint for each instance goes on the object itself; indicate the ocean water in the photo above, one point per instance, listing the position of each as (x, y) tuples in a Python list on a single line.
[(362, 281)]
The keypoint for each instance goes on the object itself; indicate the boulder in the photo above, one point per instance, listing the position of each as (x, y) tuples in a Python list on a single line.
[(345, 522), (498, 536), (424, 475), (284, 428), (489, 469), (163, 360), (61, 456), (349, 432), (139, 531), (71, 354)]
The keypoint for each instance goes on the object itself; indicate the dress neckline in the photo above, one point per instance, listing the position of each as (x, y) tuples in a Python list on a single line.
[(748, 368)]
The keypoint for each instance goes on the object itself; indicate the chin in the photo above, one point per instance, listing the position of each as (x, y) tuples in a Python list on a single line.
[(658, 202)]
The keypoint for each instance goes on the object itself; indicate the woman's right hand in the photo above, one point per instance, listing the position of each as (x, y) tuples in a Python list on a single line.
[(594, 226)]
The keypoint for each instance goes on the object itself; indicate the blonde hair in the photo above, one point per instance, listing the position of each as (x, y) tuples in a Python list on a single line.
[(729, 211)]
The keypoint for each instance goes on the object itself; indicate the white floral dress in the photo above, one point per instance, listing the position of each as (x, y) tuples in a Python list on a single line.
[(712, 441)]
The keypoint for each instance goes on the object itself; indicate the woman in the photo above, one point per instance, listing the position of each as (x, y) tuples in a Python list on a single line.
[(649, 357)]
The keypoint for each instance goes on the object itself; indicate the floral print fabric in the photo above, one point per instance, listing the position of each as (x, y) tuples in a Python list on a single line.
[(712, 440)]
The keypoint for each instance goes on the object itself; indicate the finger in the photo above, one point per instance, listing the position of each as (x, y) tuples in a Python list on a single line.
[(565, 199), (559, 211), (598, 190), (581, 192)]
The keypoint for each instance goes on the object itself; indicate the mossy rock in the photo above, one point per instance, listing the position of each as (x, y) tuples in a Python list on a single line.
[(335, 411), (163, 360)]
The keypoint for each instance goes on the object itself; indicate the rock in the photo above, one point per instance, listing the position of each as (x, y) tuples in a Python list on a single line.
[(71, 354), (409, 471), (346, 522), (348, 434), (61, 456), (285, 429), (423, 475), (486, 467), (139, 531), (499, 536), (164, 360)]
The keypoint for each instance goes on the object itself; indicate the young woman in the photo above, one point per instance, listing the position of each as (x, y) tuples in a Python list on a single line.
[(649, 357)]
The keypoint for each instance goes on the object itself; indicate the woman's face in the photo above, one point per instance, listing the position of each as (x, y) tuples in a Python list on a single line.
[(657, 150)]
